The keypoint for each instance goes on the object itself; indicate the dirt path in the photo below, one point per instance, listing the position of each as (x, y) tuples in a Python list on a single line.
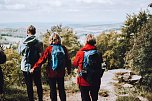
[(107, 84)]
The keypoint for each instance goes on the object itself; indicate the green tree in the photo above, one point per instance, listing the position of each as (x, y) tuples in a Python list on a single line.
[(69, 38), (112, 46), (140, 56), (132, 26), (11, 68)]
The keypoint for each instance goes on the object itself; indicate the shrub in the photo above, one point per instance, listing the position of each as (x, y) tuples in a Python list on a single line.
[(127, 98), (112, 47)]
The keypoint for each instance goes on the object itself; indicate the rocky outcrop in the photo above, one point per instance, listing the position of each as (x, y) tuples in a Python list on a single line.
[(128, 77)]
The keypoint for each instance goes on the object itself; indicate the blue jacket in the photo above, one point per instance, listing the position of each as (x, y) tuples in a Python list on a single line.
[(30, 40)]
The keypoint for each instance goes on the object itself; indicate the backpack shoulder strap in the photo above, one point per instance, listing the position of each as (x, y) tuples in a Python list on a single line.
[(58, 47), (86, 53), (86, 56)]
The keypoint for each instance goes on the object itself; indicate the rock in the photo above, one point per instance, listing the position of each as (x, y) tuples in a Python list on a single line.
[(126, 76), (127, 86), (123, 76), (135, 79)]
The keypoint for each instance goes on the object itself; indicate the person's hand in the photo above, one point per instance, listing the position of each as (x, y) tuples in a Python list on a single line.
[(32, 70)]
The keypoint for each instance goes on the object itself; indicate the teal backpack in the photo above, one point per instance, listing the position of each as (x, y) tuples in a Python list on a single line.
[(92, 69), (58, 58)]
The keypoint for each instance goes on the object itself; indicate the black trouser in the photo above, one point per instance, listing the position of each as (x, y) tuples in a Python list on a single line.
[(1, 81), (86, 91), (53, 91), (36, 76)]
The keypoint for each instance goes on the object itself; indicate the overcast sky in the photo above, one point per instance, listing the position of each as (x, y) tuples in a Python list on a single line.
[(69, 11)]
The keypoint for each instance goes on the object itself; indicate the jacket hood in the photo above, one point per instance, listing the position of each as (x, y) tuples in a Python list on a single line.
[(30, 39), (88, 47)]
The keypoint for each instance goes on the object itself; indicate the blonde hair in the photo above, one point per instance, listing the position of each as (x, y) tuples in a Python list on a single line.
[(55, 38), (90, 39)]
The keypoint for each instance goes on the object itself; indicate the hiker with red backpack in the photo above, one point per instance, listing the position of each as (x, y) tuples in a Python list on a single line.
[(58, 58), (88, 61), (30, 50)]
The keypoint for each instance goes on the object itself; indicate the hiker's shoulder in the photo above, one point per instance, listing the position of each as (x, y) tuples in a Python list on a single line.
[(64, 47), (39, 43), (49, 48)]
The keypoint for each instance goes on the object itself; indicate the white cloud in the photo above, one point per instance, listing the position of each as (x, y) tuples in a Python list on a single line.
[(73, 10), (68, 10), (57, 3), (29, 4), (15, 6), (1, 1), (96, 1)]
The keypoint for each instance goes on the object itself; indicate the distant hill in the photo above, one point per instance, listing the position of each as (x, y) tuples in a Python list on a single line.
[(18, 30)]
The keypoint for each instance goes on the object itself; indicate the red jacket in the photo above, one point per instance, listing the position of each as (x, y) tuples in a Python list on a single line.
[(47, 56), (78, 62)]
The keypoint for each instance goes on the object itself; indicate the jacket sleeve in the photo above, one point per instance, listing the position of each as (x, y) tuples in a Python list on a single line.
[(42, 59), (21, 48), (77, 59)]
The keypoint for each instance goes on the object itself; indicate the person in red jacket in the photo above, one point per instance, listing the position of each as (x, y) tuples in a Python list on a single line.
[(53, 76), (84, 86)]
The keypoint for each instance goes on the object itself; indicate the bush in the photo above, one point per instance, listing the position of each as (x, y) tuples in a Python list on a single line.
[(139, 56), (127, 98), (11, 69), (113, 48), (14, 94), (142, 52)]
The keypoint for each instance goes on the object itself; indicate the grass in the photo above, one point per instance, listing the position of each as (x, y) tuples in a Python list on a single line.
[(14, 94), (146, 94), (70, 85), (131, 93), (72, 88), (121, 90), (103, 93), (19, 93), (127, 98)]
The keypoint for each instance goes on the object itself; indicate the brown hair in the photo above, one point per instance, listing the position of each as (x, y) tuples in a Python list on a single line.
[(55, 38), (31, 29), (90, 39)]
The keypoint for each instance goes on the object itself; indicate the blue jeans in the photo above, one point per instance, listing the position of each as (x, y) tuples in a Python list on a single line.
[(29, 78), (53, 91)]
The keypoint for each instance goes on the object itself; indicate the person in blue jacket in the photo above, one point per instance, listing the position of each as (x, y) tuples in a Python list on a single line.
[(30, 50)]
